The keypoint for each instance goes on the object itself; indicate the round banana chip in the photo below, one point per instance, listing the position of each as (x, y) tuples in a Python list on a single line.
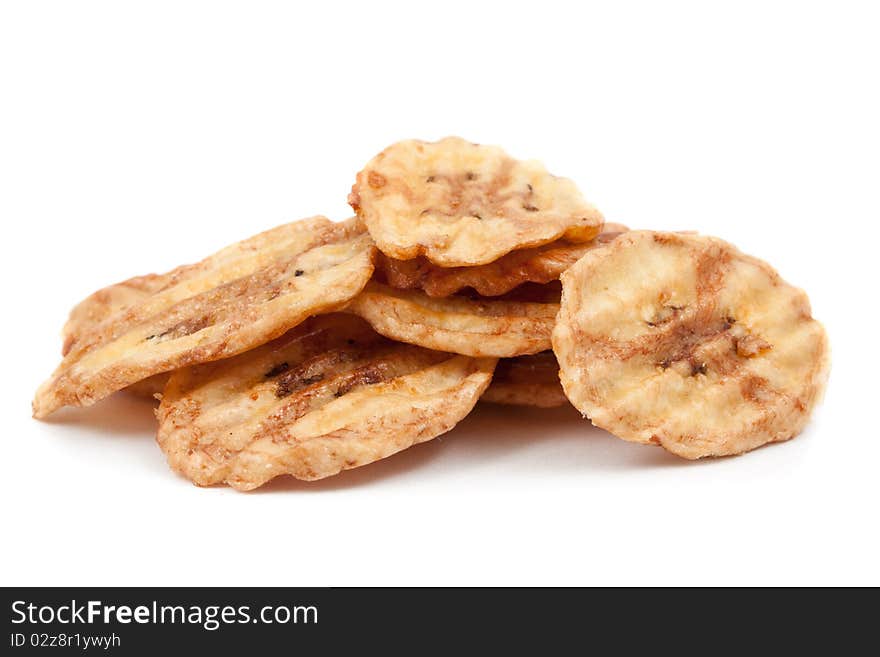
[(233, 301), (460, 325), (463, 204), (527, 381), (683, 341), (329, 395), (540, 264)]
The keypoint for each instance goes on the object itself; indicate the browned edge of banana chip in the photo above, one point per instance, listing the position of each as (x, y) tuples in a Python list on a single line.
[(469, 326), (540, 264), (683, 341), (527, 381), (329, 395), (233, 301), (462, 204)]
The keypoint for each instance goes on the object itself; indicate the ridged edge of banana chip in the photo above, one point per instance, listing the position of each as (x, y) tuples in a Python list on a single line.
[(470, 326)]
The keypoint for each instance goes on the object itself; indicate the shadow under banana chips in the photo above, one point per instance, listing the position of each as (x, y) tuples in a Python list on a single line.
[(531, 380)]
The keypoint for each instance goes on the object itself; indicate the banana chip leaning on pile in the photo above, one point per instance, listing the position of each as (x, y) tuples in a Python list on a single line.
[(467, 275), (231, 302), (684, 342)]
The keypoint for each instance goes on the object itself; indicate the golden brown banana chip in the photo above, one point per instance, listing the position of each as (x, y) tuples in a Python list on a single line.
[(540, 264), (527, 381), (469, 326), (233, 301), (329, 395), (463, 204), (685, 342), (107, 301)]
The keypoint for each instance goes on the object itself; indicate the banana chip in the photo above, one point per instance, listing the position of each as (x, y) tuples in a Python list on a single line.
[(463, 204), (108, 301), (540, 264), (329, 395), (237, 299), (527, 381), (683, 341), (469, 326)]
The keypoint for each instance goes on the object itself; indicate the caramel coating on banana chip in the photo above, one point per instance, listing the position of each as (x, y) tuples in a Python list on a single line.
[(540, 264), (683, 341), (233, 301), (527, 381), (329, 395), (458, 324), (460, 204)]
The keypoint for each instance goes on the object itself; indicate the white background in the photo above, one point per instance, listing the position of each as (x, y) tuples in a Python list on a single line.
[(138, 136)]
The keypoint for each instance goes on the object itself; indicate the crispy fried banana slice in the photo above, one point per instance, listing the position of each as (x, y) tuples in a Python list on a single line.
[(107, 301), (469, 326), (463, 204), (540, 264), (683, 341), (233, 301), (527, 381), (329, 395)]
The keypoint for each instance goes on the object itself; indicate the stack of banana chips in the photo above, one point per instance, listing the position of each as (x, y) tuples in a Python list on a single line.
[(321, 346)]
